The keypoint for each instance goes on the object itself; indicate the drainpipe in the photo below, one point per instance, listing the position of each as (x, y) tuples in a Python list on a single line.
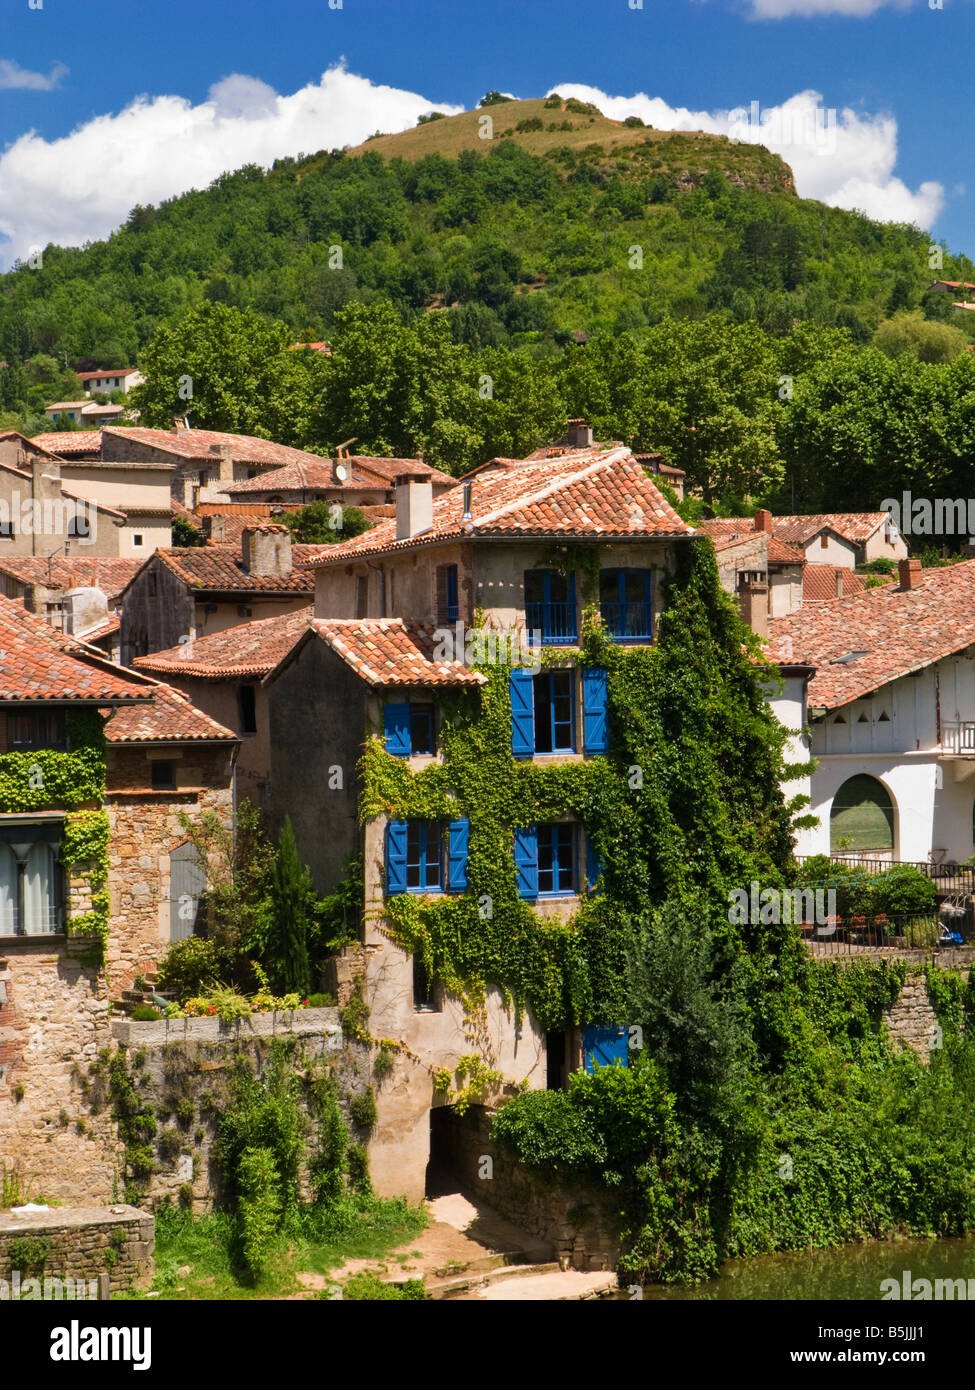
[(382, 586)]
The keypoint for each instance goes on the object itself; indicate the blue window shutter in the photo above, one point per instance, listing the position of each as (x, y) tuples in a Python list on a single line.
[(594, 865), (397, 728), (526, 861), (458, 837), (605, 1045), (395, 857), (520, 684), (595, 722)]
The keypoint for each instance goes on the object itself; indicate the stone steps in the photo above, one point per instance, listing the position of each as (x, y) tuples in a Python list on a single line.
[(475, 1279)]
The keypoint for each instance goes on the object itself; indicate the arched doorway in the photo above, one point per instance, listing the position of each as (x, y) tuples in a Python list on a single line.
[(861, 819)]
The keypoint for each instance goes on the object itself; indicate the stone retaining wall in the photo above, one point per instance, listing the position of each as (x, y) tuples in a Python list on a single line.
[(580, 1222), (83, 1243)]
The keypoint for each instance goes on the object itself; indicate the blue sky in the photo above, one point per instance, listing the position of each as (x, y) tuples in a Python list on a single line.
[(106, 103)]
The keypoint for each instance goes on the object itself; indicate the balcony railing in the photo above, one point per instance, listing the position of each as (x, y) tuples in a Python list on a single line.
[(948, 877), (959, 737), (555, 621), (628, 622)]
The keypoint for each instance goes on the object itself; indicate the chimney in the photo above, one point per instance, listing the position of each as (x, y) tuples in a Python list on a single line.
[(838, 578), (909, 572), (226, 452), (181, 425), (753, 600), (267, 551), (215, 528), (414, 505), (579, 434), (763, 520)]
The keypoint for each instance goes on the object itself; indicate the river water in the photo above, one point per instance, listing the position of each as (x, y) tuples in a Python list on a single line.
[(845, 1272)]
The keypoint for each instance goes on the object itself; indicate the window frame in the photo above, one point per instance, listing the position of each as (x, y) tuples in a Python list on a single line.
[(21, 839), (428, 836), (546, 605), (545, 711), (626, 575), (250, 689), (568, 833)]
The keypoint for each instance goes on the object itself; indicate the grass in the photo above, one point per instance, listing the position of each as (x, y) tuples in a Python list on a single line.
[(316, 1240)]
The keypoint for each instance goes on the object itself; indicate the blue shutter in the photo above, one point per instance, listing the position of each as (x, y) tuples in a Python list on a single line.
[(397, 725), (395, 857), (595, 723), (605, 1045), (526, 861), (520, 684), (594, 865), (458, 833)]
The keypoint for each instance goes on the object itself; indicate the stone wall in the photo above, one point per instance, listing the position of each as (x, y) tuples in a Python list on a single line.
[(183, 1069), (911, 1017), (53, 1021), (580, 1221), (84, 1243), (144, 830)]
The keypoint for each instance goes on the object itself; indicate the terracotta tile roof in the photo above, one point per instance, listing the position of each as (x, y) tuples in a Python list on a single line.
[(777, 551), (64, 442), (363, 473), (105, 629), (390, 469), (853, 526), (221, 568), (386, 652), (200, 444), (251, 649), (583, 494), (896, 631), (232, 509), (819, 583), (106, 371), (37, 663), (168, 717), (111, 576)]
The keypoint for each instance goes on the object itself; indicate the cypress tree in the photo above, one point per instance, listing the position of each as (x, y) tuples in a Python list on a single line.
[(292, 897)]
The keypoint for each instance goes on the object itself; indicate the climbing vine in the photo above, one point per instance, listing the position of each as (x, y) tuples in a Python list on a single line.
[(686, 801)]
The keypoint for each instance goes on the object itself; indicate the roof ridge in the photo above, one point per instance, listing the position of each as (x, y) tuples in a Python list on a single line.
[(555, 485)]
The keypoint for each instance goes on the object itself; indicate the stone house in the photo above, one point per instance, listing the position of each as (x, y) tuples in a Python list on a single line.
[(79, 597), (74, 444), (139, 490), (387, 655), (180, 595), (84, 806), (222, 675), (354, 480), (206, 460), (41, 514), (845, 539)]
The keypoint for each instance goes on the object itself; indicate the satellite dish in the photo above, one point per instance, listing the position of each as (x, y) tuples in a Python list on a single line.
[(341, 472)]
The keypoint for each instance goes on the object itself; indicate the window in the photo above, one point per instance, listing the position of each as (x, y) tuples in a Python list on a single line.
[(448, 605), (550, 606), (824, 541), (625, 603), (547, 860), (7, 529), (246, 710), (426, 856), (425, 992), (362, 596), (137, 538), (31, 895), (36, 729), (543, 712), (554, 712), (152, 582), (163, 776), (79, 526), (861, 817), (409, 727)]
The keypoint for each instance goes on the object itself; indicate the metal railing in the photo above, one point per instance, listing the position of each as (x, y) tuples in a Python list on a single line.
[(628, 621), (557, 622), (948, 877), (958, 737), (890, 932)]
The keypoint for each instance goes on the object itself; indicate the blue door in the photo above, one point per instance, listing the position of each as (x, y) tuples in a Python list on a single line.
[(604, 1045)]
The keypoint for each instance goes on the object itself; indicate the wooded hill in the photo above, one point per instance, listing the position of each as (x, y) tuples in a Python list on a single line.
[(523, 239)]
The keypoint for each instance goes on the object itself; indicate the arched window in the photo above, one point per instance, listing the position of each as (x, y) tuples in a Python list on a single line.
[(861, 817)]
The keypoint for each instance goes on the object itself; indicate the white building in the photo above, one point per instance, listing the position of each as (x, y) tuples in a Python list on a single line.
[(890, 717)]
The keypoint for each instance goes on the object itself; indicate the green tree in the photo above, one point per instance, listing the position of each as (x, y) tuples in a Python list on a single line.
[(925, 339), (293, 902), (319, 524)]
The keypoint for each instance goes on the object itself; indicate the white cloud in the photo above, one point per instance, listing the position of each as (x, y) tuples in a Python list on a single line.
[(82, 186), (840, 157), (12, 76), (811, 9)]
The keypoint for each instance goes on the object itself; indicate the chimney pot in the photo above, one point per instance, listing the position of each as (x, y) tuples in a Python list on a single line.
[(579, 434), (909, 572)]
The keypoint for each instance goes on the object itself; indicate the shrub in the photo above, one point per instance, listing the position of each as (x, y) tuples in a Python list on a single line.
[(362, 1108), (191, 966), (259, 1205), (358, 1169), (582, 108), (635, 122), (553, 103), (545, 1130), (369, 1287), (145, 1013), (28, 1253)]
